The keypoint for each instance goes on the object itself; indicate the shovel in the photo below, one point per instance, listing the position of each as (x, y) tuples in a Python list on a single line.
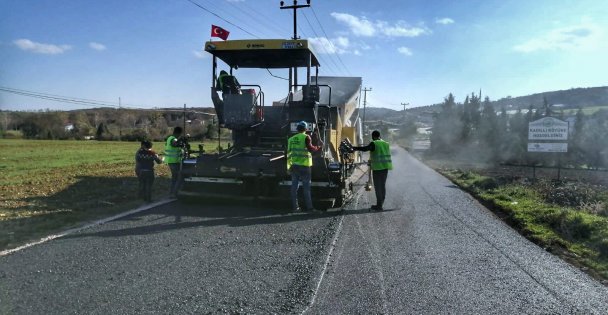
[(368, 185)]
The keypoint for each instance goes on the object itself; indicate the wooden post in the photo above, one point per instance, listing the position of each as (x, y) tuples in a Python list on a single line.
[(559, 166)]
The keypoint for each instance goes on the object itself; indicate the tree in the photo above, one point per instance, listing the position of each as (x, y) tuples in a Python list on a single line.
[(547, 107), (82, 125), (488, 131), (516, 137), (471, 118), (102, 132), (5, 119), (576, 152), (447, 128), (594, 141)]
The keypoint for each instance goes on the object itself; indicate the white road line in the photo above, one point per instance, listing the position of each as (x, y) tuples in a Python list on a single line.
[(325, 266), (78, 229), (332, 246), (373, 253)]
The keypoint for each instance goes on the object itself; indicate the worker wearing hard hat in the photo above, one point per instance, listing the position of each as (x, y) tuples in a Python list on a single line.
[(381, 163), (299, 163)]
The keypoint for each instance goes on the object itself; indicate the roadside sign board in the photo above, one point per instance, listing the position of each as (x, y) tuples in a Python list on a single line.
[(547, 147), (548, 128)]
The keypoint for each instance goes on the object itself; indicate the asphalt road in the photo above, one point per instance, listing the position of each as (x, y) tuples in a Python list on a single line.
[(435, 250)]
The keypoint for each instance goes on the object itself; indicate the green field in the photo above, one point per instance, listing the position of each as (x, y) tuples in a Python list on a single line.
[(586, 110), (48, 186)]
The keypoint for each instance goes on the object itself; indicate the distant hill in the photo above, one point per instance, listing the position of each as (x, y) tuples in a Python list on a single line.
[(377, 113), (570, 99)]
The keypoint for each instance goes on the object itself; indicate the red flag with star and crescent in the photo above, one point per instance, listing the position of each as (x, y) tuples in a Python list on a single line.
[(217, 31)]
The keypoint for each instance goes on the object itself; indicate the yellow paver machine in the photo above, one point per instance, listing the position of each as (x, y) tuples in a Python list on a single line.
[(255, 166)]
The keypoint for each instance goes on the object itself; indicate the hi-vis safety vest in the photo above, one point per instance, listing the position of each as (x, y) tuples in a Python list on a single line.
[(172, 154), (227, 83), (220, 81), (381, 156), (297, 153)]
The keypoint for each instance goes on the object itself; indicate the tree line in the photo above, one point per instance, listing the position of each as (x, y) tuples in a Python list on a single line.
[(474, 131), (107, 124)]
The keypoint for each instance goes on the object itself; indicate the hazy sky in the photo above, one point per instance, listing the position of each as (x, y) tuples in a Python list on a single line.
[(149, 52)]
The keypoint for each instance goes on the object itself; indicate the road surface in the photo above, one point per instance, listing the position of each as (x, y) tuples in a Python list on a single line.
[(434, 251)]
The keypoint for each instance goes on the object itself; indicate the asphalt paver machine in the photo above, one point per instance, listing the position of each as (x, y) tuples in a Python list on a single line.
[(255, 166)]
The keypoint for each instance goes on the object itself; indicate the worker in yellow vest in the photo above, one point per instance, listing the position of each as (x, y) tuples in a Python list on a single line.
[(227, 84), (381, 163), (173, 158), (299, 163)]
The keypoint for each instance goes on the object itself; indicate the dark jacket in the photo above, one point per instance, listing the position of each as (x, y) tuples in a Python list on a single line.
[(370, 147), (228, 84), (144, 160)]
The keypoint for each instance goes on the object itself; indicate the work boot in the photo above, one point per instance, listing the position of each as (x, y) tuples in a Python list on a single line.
[(376, 208)]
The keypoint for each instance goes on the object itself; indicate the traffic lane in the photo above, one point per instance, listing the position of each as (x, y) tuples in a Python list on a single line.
[(438, 251), (179, 258), (572, 287)]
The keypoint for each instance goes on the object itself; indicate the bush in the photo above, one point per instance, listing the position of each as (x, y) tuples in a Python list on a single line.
[(597, 208), (567, 194), (11, 134), (577, 227), (486, 183), (570, 224), (602, 248)]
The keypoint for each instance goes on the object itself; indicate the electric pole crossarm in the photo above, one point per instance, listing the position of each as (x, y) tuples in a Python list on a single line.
[(295, 7)]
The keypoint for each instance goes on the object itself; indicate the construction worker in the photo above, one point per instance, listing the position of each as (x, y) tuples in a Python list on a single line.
[(144, 169), (299, 163), (227, 83), (173, 158), (381, 163)]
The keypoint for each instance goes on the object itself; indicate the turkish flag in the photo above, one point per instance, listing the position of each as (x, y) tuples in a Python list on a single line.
[(217, 31)]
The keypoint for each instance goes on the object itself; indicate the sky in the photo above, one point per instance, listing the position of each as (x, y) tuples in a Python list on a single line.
[(149, 53)]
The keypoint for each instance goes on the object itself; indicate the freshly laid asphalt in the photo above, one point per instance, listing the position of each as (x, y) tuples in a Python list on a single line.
[(434, 250)]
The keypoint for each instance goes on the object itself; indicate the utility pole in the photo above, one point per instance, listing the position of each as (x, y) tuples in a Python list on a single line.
[(119, 122), (184, 119), (365, 90), (295, 8), (404, 104)]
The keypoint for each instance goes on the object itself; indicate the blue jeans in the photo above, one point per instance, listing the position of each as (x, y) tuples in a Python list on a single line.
[(174, 167), (300, 173)]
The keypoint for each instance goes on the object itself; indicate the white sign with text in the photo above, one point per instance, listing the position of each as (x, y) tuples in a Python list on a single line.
[(548, 147), (548, 128)]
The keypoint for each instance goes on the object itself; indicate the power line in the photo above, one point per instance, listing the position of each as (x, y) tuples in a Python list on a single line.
[(221, 18), (322, 46), (276, 76), (58, 98), (240, 16), (321, 57), (85, 102), (323, 29), (259, 18)]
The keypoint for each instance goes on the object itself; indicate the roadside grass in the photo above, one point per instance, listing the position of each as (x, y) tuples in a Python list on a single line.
[(48, 186), (578, 234)]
